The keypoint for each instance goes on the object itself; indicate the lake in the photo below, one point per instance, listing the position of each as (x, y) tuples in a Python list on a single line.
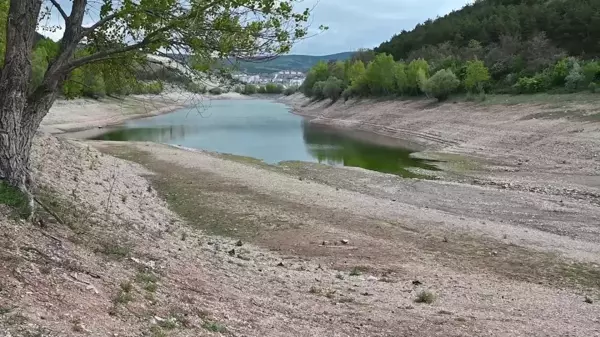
[(268, 131)]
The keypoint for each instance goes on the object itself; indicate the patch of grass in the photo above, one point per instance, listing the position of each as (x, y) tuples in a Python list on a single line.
[(356, 271), (150, 287), (5, 310), (114, 250), (339, 276), (123, 297), (425, 296), (15, 199), (346, 300), (126, 286), (148, 280), (156, 331), (214, 327)]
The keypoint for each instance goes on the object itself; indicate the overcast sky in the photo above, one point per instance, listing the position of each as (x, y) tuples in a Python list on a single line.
[(357, 24), (353, 24)]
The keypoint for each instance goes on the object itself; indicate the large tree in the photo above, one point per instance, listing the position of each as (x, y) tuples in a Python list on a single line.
[(208, 30)]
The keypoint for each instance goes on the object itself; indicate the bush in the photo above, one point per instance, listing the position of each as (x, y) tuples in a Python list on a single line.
[(440, 85), (215, 91), (476, 76), (249, 89), (332, 88), (318, 73), (93, 83), (317, 90), (528, 85), (347, 93), (272, 88), (195, 88), (591, 71), (261, 89), (574, 81), (154, 88), (593, 87), (290, 90)]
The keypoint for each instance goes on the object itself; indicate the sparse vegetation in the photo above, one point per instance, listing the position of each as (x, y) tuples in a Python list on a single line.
[(356, 271), (214, 327), (425, 296), (15, 199), (123, 297), (114, 250), (148, 280)]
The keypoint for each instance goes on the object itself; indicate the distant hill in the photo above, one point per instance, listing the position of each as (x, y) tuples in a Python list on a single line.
[(289, 62)]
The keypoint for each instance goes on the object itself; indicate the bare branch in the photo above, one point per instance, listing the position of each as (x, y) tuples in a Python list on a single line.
[(60, 10)]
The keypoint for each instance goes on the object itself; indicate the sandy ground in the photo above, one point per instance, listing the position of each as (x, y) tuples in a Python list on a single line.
[(507, 249)]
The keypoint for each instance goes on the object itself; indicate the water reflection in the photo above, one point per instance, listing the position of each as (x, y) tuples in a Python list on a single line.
[(333, 147), (158, 134)]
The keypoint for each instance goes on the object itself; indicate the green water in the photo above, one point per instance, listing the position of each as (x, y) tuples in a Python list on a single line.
[(267, 131)]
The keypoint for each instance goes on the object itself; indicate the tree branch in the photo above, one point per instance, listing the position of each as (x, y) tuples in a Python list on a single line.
[(86, 31), (60, 10)]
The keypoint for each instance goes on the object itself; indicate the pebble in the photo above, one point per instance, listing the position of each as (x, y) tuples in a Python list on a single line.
[(344, 241)]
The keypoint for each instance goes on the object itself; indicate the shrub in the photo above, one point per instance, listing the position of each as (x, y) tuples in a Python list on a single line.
[(261, 89), (154, 88), (332, 88), (440, 85), (317, 90), (593, 87), (560, 72), (591, 71), (575, 79), (380, 75), (476, 76), (415, 71), (272, 88), (215, 91), (318, 73), (528, 85), (93, 83), (249, 89), (347, 93), (195, 88), (290, 90), (425, 297)]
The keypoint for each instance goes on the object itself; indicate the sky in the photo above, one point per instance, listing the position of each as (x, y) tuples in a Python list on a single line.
[(357, 24), (353, 24)]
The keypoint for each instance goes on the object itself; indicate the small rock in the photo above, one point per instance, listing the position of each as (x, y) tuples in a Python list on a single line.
[(417, 283), (280, 264), (344, 241), (444, 312), (300, 178), (372, 278), (239, 243), (588, 300), (325, 243), (231, 252), (445, 239), (494, 253)]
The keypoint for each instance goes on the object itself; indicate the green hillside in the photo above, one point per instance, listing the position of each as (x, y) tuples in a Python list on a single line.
[(288, 62)]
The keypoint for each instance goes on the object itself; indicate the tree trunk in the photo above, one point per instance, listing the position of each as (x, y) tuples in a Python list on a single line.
[(18, 119)]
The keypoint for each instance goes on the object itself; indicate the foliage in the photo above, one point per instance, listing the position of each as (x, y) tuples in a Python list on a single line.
[(272, 88), (591, 71), (290, 90), (15, 199), (347, 93), (416, 72), (569, 25), (593, 87), (249, 89), (317, 90), (93, 82), (440, 85), (575, 79), (332, 88), (261, 89), (528, 85), (379, 75), (476, 76), (318, 73), (39, 65)]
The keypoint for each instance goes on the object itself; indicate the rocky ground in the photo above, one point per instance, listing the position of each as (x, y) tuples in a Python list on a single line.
[(161, 241)]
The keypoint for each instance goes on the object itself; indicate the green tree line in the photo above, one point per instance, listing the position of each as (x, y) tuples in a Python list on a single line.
[(441, 77)]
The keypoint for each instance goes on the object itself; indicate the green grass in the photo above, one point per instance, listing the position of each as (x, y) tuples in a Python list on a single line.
[(15, 199), (114, 250)]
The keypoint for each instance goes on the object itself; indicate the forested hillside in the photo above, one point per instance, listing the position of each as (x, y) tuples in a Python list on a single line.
[(571, 25), (491, 46)]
